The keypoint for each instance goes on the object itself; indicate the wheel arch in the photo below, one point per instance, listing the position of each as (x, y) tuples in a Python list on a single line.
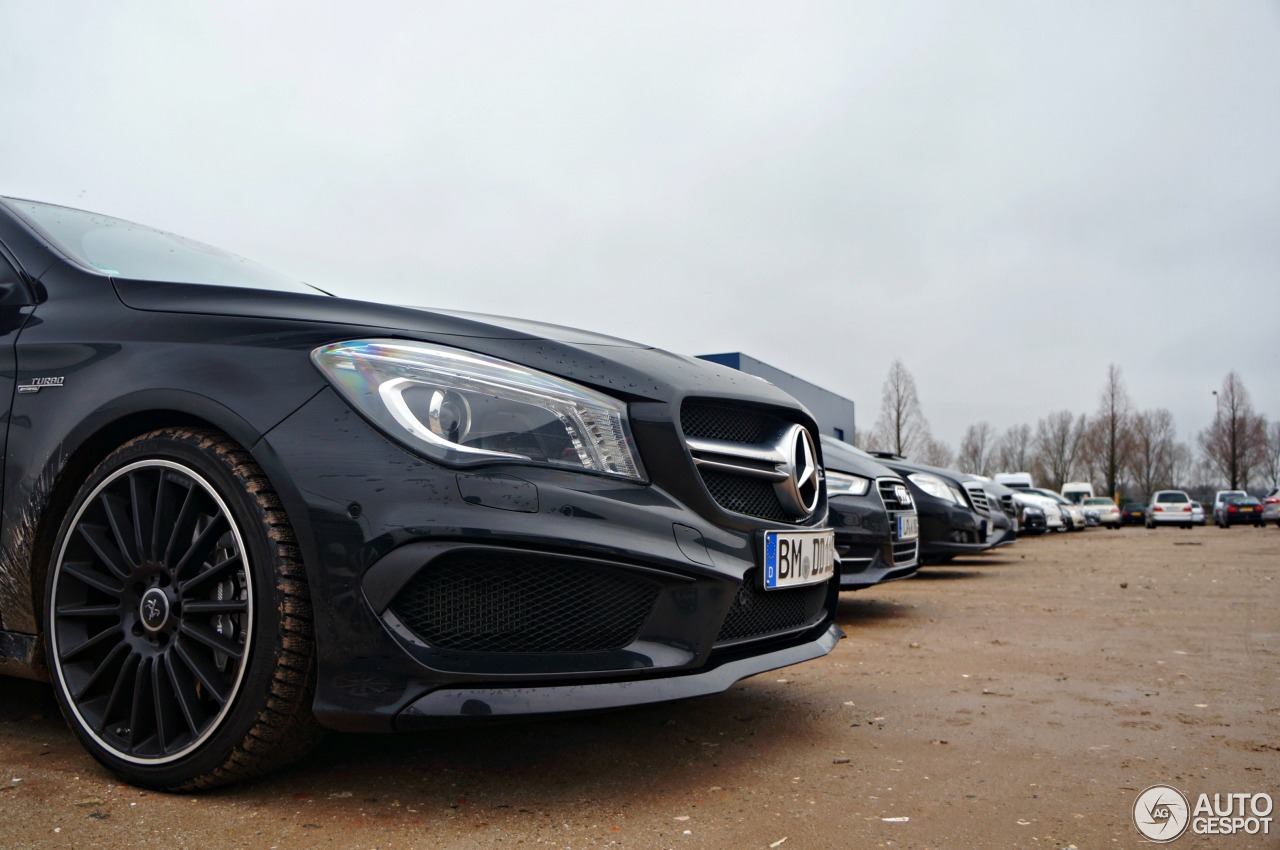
[(79, 453)]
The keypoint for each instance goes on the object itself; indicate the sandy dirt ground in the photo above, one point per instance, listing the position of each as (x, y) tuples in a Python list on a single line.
[(1022, 699)]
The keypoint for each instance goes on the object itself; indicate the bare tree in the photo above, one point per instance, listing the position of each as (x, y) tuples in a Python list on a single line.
[(1058, 438), (901, 427), (1014, 452), (978, 449), (1235, 442), (1181, 466), (1152, 455), (1107, 439), (935, 453)]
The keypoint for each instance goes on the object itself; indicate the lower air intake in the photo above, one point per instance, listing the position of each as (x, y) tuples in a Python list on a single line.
[(515, 603), (757, 613)]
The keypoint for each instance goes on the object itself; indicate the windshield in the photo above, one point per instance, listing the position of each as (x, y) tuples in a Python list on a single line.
[(1172, 497), (121, 248), (1098, 501)]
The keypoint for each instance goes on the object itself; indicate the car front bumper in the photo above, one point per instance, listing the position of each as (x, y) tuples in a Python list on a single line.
[(866, 546), (436, 591), (948, 530)]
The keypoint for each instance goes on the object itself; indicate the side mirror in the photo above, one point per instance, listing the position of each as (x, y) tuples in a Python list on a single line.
[(13, 293)]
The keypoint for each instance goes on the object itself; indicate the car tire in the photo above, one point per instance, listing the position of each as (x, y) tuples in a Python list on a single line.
[(178, 630)]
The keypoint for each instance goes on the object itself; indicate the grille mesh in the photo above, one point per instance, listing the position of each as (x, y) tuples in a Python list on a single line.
[(757, 613), (735, 424), (514, 603), (744, 495)]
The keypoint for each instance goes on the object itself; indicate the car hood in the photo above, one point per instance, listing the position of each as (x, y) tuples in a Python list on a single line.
[(835, 456), (615, 366)]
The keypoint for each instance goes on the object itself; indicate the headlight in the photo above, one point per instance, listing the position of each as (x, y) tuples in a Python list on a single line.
[(934, 486), (461, 408), (839, 484)]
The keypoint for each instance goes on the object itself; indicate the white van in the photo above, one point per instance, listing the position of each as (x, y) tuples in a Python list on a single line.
[(1077, 491), (1016, 480)]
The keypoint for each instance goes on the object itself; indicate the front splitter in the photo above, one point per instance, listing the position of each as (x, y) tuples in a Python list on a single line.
[(474, 703)]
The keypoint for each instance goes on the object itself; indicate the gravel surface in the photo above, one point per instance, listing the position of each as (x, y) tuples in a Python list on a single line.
[(1022, 699)]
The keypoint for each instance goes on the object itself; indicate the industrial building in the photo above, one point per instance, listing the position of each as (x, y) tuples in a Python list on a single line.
[(835, 413)]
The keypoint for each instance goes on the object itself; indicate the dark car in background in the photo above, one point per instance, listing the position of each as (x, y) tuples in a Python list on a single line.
[(1240, 510), (874, 517), (949, 523), (237, 510), (1133, 513)]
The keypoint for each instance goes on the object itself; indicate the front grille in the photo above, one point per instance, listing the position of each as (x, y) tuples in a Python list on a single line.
[(758, 613), (888, 488), (744, 495), (978, 496), (905, 553), (735, 424), (737, 491), (517, 603)]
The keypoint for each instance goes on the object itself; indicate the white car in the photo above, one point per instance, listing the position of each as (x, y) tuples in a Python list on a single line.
[(1169, 507), (1074, 513), (1108, 510), (1053, 519)]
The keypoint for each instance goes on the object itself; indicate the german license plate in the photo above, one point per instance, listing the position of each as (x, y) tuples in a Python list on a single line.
[(908, 526), (798, 558)]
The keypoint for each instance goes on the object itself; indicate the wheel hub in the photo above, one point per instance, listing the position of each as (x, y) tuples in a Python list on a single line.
[(154, 610)]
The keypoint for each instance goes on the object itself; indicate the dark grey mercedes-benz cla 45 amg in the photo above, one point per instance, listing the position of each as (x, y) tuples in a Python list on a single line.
[(237, 511)]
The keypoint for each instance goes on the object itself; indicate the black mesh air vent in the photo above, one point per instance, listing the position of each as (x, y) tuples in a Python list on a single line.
[(513, 603), (735, 424), (758, 613), (740, 494)]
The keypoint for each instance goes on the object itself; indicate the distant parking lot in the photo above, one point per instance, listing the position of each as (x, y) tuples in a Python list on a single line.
[(1020, 699)]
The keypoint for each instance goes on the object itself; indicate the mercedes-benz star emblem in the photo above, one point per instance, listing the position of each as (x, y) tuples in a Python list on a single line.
[(799, 491)]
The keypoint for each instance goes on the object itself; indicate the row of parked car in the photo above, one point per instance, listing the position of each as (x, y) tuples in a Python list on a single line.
[(1230, 507), (238, 510)]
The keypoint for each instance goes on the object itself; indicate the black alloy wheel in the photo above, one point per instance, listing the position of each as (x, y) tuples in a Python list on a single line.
[(179, 631)]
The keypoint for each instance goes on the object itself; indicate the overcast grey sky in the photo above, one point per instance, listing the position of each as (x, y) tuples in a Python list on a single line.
[(1007, 195)]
